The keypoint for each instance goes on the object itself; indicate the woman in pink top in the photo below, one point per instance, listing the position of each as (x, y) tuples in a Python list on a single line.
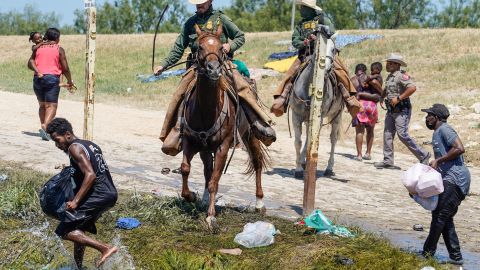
[(49, 62)]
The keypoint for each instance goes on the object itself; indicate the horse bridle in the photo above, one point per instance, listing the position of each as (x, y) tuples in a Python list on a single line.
[(202, 69), (201, 61)]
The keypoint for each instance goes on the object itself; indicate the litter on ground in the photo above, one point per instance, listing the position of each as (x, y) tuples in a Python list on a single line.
[(128, 223), (261, 73), (232, 251), (281, 65), (318, 221), (258, 234)]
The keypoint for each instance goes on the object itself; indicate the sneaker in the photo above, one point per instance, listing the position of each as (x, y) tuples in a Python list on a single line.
[(44, 135), (382, 165), (426, 160), (452, 261), (455, 262)]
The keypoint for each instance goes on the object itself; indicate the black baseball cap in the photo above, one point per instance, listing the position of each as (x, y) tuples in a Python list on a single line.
[(438, 110)]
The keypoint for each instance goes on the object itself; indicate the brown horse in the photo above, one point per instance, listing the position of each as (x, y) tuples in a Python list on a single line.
[(209, 124)]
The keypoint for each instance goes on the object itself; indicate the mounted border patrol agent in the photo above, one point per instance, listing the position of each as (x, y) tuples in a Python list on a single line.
[(209, 19), (303, 39), (398, 89)]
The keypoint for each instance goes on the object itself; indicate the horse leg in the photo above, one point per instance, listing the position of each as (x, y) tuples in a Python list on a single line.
[(333, 141), (207, 160), (257, 160), (185, 170), (300, 161), (219, 164)]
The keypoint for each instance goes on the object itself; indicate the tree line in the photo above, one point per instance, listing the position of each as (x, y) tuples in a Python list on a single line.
[(140, 16)]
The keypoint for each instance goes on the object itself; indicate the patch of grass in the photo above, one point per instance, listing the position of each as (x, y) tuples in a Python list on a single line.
[(173, 235), (19, 193)]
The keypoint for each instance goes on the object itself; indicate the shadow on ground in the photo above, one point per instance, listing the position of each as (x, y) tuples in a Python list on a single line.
[(33, 134), (290, 173)]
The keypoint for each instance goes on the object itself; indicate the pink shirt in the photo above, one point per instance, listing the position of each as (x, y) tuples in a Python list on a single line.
[(47, 59)]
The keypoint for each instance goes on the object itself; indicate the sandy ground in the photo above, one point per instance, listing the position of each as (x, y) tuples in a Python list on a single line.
[(358, 194)]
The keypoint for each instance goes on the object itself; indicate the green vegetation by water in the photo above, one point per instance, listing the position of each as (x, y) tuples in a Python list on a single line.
[(174, 235)]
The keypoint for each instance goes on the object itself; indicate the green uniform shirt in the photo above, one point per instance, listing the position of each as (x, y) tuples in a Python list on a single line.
[(306, 27), (397, 82), (208, 21)]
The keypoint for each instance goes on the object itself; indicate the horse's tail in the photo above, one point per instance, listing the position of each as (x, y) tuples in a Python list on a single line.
[(259, 158)]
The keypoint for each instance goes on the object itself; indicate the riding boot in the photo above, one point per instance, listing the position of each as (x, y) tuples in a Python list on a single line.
[(353, 105), (173, 142), (187, 83), (282, 92), (262, 131), (280, 103)]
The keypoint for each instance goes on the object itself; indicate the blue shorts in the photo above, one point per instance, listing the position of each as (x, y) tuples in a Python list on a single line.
[(47, 88)]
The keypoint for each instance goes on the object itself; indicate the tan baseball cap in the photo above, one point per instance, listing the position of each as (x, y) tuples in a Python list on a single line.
[(396, 58), (308, 3), (197, 2)]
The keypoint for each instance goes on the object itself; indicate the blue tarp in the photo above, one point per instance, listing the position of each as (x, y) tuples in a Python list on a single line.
[(344, 40), (282, 55), (340, 42), (146, 78)]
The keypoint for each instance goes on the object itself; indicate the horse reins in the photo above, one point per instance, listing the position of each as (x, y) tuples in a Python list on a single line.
[(237, 114)]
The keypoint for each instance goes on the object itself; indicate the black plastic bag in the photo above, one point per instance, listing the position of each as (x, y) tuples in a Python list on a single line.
[(56, 192)]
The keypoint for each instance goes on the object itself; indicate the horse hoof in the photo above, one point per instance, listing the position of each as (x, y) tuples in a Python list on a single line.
[(192, 197), (328, 173), (212, 224), (205, 199), (262, 210), (298, 174)]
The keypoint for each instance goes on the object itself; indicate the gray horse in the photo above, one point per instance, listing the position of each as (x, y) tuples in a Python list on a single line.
[(332, 106)]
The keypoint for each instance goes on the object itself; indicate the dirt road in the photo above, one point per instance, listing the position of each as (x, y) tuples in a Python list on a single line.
[(358, 194)]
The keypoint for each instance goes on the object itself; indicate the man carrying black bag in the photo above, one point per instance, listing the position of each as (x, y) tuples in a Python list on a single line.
[(94, 191)]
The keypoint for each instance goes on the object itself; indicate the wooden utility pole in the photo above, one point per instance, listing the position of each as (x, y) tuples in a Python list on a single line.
[(313, 132), (91, 35)]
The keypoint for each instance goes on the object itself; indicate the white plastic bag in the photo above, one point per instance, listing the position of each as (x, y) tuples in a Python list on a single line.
[(423, 180), (429, 204), (430, 183), (410, 177), (258, 234)]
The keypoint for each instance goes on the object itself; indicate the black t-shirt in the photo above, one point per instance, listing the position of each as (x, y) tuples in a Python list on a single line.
[(103, 191)]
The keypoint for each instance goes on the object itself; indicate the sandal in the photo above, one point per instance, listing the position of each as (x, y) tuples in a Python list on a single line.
[(367, 157)]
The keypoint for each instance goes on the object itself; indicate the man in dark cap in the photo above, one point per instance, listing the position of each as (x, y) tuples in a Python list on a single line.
[(448, 150)]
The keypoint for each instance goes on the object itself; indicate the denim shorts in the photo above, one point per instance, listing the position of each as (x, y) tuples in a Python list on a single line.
[(47, 88)]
